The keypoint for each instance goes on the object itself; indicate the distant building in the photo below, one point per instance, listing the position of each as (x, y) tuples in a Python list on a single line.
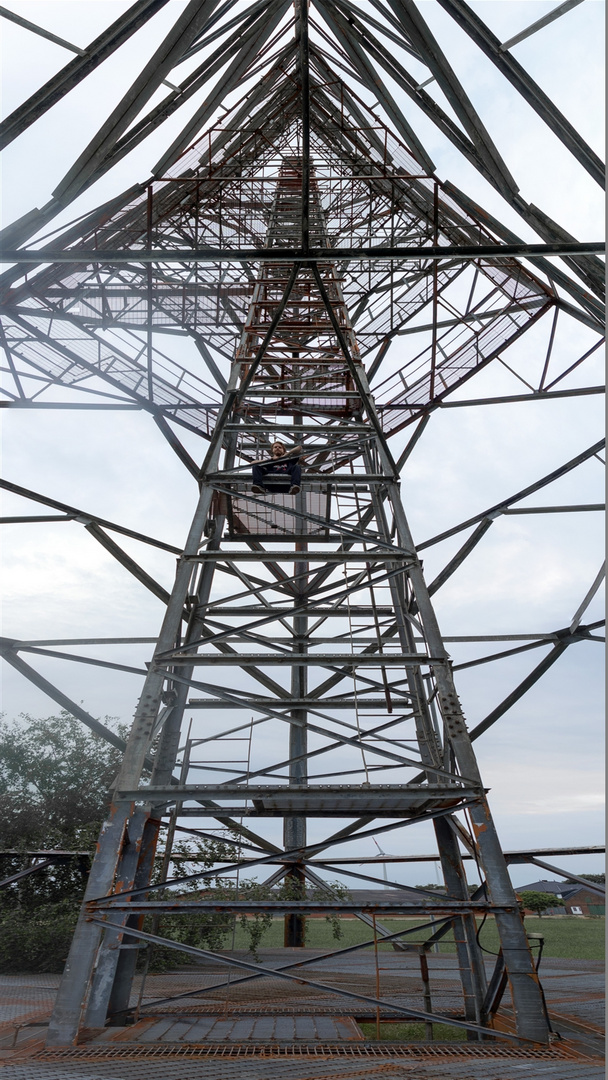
[(577, 899)]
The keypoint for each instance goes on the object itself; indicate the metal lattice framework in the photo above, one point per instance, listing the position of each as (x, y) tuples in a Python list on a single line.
[(297, 240)]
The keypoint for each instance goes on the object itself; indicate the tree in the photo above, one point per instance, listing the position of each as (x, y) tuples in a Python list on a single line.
[(55, 779), (539, 901), (598, 879)]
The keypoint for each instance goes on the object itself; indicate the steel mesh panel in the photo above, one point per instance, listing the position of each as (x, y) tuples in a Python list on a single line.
[(422, 1051), (249, 517)]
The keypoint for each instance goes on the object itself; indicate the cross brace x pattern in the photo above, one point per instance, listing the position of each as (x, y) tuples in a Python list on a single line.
[(297, 238)]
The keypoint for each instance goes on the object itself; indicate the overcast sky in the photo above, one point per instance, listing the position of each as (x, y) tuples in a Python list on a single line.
[(542, 761)]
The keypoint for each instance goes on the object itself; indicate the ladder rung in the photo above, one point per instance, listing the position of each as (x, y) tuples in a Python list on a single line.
[(317, 429), (299, 556), (301, 393)]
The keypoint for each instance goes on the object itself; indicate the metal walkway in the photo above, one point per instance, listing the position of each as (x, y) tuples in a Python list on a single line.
[(301, 1043)]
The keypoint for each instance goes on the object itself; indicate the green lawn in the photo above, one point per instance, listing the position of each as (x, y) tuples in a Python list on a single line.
[(565, 936), (412, 1032), (576, 938)]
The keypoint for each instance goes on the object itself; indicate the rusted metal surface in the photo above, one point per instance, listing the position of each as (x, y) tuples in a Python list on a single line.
[(219, 302), (424, 1051), (164, 1041), (296, 237)]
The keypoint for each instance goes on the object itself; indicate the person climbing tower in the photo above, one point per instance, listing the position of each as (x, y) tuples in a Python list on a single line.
[(281, 473)]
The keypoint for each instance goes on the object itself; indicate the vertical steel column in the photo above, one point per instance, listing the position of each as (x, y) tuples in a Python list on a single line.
[(128, 947), (294, 828), (304, 73), (435, 269), (149, 293), (525, 987), (470, 959), (164, 764), (524, 983), (105, 876)]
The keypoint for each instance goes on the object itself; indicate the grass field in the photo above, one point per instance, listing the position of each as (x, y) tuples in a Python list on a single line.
[(565, 937), (412, 1032)]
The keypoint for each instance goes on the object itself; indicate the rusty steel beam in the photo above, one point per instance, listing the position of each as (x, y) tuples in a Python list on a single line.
[(465, 252)]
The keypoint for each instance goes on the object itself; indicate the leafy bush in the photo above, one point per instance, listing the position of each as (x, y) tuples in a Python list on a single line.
[(55, 778), (216, 931), (36, 939)]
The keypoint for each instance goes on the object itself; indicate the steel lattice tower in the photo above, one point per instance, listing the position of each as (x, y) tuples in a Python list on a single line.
[(296, 237)]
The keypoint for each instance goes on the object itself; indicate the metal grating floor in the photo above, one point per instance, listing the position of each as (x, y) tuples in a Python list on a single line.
[(416, 1051), (575, 987), (302, 1069)]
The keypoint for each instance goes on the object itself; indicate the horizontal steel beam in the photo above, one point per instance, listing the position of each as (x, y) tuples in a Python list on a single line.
[(58, 853), (511, 856), (537, 395), (355, 810), (283, 391), (21, 644), (298, 556), (283, 611), (514, 857), (339, 428), (341, 612), (276, 907), (556, 509), (290, 255), (35, 517), (289, 703), (191, 406), (298, 659), (260, 791), (309, 477), (405, 794), (293, 537)]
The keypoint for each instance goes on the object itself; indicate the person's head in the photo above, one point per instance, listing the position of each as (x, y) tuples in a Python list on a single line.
[(278, 449)]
